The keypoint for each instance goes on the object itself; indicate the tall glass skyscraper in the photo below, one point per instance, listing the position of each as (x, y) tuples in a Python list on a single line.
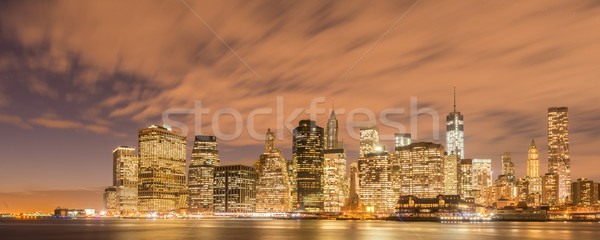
[(161, 171), (559, 161), (376, 193), (205, 157), (455, 136), (308, 144)]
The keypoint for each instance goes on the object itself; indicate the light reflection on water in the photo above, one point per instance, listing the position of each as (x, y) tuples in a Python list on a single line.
[(290, 229)]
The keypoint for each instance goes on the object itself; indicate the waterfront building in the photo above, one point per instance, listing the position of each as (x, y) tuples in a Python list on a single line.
[(421, 169), (433, 208), (162, 168), (111, 201), (455, 136), (550, 191), (584, 192), (235, 189), (376, 192), (205, 157), (125, 179), (308, 144), (451, 175), (559, 161), (273, 192)]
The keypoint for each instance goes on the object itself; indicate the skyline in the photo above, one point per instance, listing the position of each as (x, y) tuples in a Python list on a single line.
[(72, 91)]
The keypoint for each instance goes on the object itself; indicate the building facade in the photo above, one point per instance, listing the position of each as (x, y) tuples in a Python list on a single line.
[(308, 145), (375, 190), (422, 169), (235, 189), (559, 161), (451, 175), (273, 192), (125, 179), (205, 157), (585, 192), (335, 182), (369, 140), (162, 168)]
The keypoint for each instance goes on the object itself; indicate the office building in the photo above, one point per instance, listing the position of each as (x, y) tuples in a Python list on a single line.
[(584, 192), (273, 192), (308, 144), (369, 140), (508, 167), (205, 157), (559, 161), (125, 179), (235, 189), (375, 190), (162, 169), (451, 175), (421, 169)]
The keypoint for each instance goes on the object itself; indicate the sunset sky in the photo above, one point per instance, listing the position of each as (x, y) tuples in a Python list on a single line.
[(78, 78)]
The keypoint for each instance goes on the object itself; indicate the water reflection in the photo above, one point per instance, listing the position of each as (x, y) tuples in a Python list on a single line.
[(290, 229)]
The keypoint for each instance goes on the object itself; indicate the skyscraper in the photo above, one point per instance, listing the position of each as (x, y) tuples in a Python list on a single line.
[(508, 167), (161, 173), (455, 137), (369, 140), (335, 189), (559, 161), (585, 192), (308, 160), (466, 178), (375, 191), (451, 174), (273, 185), (335, 182), (482, 178), (111, 201), (422, 169), (550, 191), (205, 156), (125, 178), (235, 189), (331, 135), (533, 161)]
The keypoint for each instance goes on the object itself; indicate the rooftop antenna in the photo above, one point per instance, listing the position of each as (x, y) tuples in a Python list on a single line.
[(455, 97)]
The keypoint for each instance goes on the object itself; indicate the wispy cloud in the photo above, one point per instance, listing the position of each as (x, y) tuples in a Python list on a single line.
[(14, 120)]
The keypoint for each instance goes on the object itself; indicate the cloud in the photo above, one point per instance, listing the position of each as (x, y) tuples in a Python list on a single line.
[(131, 61), (51, 121), (14, 120)]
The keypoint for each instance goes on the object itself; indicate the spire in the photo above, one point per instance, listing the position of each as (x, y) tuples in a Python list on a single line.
[(533, 142), (454, 97)]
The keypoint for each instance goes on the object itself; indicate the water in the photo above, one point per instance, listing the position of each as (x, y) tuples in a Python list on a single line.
[(290, 229)]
